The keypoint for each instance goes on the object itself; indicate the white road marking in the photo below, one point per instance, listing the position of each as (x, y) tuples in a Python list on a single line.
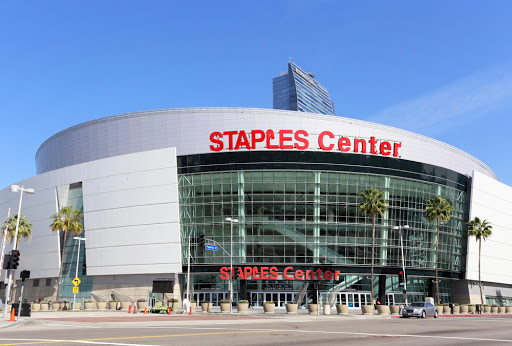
[(76, 341), (68, 325)]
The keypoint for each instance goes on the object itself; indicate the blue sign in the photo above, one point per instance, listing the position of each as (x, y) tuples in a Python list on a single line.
[(211, 247)]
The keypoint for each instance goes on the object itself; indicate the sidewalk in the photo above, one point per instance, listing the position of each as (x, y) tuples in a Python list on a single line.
[(113, 316)]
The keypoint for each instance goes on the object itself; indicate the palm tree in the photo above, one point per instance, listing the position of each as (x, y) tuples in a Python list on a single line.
[(481, 230), (24, 231), (438, 209), (66, 220), (372, 202)]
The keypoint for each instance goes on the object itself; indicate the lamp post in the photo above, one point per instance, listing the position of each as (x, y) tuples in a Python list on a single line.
[(77, 260), (231, 220), (400, 228), (15, 188)]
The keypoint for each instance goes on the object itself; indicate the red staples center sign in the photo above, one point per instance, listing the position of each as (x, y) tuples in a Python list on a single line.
[(300, 140), (271, 273)]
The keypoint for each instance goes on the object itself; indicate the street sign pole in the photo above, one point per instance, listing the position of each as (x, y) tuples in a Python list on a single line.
[(76, 274)]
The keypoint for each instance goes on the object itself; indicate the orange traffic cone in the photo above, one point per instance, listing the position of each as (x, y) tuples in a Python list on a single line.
[(13, 318), (145, 310), (169, 311), (135, 308), (130, 308), (190, 313)]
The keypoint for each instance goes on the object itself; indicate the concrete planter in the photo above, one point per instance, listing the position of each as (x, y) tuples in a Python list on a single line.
[(486, 309), (395, 310), (242, 307), (313, 309), (141, 305), (291, 308), (89, 306), (62, 305), (472, 309), (446, 310), (224, 307), (456, 309), (44, 307), (494, 309), (193, 307), (269, 308), (36, 306), (76, 306), (342, 309), (508, 310), (55, 306), (501, 309), (205, 307), (383, 309), (112, 305), (125, 305), (101, 305), (327, 309), (367, 309), (464, 309)]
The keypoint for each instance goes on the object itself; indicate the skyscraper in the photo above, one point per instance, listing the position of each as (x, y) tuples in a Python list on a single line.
[(297, 90)]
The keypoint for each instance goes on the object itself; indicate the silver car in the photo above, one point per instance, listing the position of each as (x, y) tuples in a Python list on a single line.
[(420, 310)]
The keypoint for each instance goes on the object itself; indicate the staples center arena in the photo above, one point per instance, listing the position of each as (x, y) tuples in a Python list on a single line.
[(278, 190)]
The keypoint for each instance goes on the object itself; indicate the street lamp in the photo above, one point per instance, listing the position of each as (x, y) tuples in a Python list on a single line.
[(232, 221), (77, 259), (15, 188), (400, 228)]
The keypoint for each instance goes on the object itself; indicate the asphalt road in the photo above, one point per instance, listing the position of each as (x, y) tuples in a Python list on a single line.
[(283, 330)]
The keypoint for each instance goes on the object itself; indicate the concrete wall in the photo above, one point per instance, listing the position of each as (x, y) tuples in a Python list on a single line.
[(491, 200)]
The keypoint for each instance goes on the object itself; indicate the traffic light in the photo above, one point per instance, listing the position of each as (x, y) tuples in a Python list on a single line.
[(7, 262), (401, 277), (15, 259), (201, 240)]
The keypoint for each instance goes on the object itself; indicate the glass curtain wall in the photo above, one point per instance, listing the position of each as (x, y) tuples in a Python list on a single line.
[(75, 200), (311, 217)]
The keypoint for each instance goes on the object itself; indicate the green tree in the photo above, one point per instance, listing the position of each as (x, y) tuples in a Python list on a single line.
[(24, 231), (66, 220), (438, 209), (372, 201), (480, 230)]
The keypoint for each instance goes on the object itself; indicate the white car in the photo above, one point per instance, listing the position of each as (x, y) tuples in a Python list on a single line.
[(420, 309)]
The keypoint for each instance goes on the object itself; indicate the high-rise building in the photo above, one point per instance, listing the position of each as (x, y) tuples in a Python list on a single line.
[(297, 90)]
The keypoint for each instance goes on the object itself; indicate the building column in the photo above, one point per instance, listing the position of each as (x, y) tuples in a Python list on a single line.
[(316, 219), (241, 217), (382, 289)]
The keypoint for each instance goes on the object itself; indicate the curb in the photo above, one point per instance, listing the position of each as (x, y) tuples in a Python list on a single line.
[(472, 315)]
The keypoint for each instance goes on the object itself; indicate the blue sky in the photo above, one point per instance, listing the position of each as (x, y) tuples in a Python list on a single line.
[(439, 68)]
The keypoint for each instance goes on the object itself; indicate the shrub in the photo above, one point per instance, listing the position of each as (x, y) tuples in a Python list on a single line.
[(204, 301), (225, 301), (141, 299), (113, 301), (243, 301), (44, 303), (270, 303), (174, 300), (88, 301)]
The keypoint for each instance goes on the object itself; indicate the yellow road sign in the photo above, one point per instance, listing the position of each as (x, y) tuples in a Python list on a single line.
[(75, 289), (76, 281)]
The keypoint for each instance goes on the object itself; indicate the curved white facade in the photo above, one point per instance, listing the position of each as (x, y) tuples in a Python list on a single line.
[(189, 130)]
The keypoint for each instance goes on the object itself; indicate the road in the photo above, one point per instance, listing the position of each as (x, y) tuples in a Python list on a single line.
[(216, 329)]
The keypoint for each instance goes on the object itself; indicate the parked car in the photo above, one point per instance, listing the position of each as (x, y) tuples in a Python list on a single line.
[(420, 309)]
